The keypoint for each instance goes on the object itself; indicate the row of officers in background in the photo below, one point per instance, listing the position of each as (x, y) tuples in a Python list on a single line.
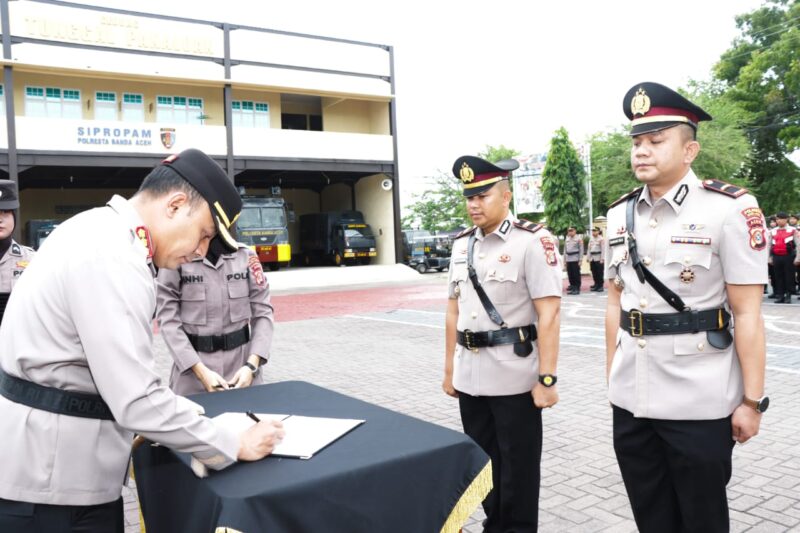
[(784, 257)]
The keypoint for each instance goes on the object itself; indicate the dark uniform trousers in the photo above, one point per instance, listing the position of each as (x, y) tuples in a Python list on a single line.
[(675, 472), (24, 517), (574, 274), (597, 272), (783, 267), (509, 430)]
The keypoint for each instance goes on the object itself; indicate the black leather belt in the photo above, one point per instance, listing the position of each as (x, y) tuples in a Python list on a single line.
[(473, 340), (638, 324), (214, 343), (54, 400), (573, 253)]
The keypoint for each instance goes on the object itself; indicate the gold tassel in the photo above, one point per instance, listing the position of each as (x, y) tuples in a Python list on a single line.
[(469, 501)]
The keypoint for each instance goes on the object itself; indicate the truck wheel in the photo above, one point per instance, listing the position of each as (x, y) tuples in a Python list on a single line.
[(307, 260), (338, 260), (421, 268), (274, 266)]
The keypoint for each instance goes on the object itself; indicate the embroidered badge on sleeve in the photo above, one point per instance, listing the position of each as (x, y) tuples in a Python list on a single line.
[(256, 271)]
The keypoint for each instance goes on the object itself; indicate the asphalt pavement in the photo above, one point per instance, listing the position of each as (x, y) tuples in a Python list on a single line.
[(379, 336)]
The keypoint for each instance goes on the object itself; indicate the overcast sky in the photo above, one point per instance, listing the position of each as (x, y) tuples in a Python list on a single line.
[(472, 73)]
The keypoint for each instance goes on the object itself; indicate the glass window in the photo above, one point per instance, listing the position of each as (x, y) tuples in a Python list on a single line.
[(132, 107), (53, 102), (179, 109), (105, 105), (250, 114)]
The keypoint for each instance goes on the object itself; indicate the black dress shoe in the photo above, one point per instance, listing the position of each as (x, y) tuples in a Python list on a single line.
[(783, 300)]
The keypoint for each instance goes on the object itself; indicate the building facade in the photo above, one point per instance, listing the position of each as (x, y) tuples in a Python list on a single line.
[(93, 98)]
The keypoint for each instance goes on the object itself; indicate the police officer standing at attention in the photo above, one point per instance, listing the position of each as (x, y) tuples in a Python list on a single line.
[(596, 258), (573, 253), (216, 320), (688, 255), (781, 257), (78, 377), (502, 334), (13, 256)]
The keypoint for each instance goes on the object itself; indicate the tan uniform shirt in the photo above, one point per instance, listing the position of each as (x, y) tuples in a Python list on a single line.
[(514, 266), (202, 298), (695, 241), (13, 264), (596, 250), (80, 319), (573, 249)]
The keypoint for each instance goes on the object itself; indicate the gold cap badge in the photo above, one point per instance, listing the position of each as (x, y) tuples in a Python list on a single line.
[(466, 173), (640, 103)]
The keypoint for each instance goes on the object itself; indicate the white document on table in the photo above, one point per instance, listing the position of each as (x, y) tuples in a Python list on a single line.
[(305, 435)]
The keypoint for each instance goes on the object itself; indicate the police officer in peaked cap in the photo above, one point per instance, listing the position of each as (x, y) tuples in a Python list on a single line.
[(14, 257), (685, 257), (78, 326), (502, 331)]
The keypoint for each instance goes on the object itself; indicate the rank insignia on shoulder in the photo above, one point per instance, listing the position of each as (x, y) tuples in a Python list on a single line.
[(728, 189), (143, 235), (466, 232), (527, 225), (15, 249), (625, 196)]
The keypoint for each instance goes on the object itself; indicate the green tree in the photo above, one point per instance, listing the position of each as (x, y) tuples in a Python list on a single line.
[(440, 208), (762, 73), (494, 154), (611, 168), (563, 185)]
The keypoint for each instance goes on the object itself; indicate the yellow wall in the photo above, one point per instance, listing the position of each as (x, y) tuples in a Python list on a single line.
[(355, 116), (212, 96), (376, 205)]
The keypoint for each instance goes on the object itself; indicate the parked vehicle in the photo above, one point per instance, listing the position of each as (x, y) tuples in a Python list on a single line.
[(431, 252), (337, 237), (36, 231), (262, 226)]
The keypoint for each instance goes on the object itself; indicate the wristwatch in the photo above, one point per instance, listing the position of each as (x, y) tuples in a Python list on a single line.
[(251, 366), (759, 405), (548, 380)]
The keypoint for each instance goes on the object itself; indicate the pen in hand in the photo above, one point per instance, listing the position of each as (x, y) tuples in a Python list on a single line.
[(253, 417)]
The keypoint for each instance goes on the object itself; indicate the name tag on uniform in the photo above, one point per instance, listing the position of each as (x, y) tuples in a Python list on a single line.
[(690, 240), (457, 260), (616, 241)]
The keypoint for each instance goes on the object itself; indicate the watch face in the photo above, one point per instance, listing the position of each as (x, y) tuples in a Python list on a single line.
[(763, 404), (548, 380)]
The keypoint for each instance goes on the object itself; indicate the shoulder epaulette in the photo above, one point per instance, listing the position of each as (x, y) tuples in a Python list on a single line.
[(625, 197), (527, 225), (466, 232), (728, 189)]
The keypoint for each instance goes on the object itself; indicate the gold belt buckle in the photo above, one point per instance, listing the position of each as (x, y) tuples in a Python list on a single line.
[(469, 339), (636, 330)]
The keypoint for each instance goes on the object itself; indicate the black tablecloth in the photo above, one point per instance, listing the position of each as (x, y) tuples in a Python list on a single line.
[(394, 473)]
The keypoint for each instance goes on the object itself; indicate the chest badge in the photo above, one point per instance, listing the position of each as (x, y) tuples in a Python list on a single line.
[(686, 275), (505, 258)]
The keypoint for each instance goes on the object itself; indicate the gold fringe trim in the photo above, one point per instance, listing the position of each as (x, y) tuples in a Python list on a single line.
[(469, 501)]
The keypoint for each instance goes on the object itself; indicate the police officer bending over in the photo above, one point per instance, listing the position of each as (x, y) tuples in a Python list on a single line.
[(78, 376), (686, 257), (501, 345), (13, 256), (217, 321)]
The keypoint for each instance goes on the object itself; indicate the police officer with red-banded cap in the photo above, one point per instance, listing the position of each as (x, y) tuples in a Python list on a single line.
[(782, 253), (77, 376), (501, 332), (14, 257), (685, 257)]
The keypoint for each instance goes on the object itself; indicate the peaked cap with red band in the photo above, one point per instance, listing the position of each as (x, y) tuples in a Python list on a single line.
[(654, 107), (478, 175), (205, 175)]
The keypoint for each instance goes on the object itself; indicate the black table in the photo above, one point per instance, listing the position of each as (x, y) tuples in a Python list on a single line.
[(394, 473)]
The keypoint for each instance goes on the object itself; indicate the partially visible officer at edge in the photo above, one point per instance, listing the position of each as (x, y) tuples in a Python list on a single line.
[(79, 326), (216, 319), (685, 257), (14, 257), (501, 354)]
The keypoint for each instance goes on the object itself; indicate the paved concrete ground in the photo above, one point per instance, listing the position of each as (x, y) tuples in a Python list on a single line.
[(389, 352)]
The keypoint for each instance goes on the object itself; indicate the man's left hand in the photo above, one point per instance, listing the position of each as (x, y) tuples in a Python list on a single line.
[(544, 397), (242, 378), (745, 423)]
